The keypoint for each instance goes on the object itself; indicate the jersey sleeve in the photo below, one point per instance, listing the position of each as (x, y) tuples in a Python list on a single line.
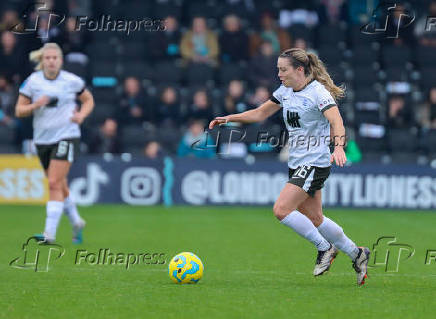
[(79, 85), (324, 100), (26, 88), (277, 96)]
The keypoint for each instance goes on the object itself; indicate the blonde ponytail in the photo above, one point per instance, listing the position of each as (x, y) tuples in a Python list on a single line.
[(36, 56), (319, 73), (314, 67)]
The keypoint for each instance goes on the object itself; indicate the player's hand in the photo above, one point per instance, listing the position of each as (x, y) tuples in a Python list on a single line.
[(338, 156), (218, 121), (43, 100), (77, 118)]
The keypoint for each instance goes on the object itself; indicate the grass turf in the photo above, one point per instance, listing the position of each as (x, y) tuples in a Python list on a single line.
[(254, 267)]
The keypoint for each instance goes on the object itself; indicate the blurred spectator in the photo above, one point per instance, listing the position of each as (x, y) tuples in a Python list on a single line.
[(153, 150), (106, 140), (12, 61), (427, 114), (234, 101), (200, 45), (7, 100), (260, 96), (233, 41), (359, 12), (426, 37), (279, 38), (263, 67), (9, 20), (302, 44), (332, 11), (168, 110), (399, 114), (196, 143), (166, 45), (133, 108), (48, 29), (201, 107), (74, 46)]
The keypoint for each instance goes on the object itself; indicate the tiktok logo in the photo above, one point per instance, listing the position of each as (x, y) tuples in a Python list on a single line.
[(86, 190)]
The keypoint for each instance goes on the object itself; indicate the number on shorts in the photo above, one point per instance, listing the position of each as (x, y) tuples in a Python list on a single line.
[(302, 171), (62, 148)]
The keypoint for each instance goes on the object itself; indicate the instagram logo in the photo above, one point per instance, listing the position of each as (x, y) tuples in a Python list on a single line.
[(141, 186)]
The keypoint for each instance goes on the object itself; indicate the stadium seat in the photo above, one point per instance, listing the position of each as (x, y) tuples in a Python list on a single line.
[(364, 55), (231, 71), (102, 52), (133, 51), (77, 68), (104, 95), (395, 56), (105, 69), (199, 74), (9, 149), (425, 56), (134, 135), (331, 35), (364, 76), (402, 141), (140, 70), (330, 55), (358, 38), (397, 74), (367, 144), (301, 31), (429, 139), (100, 113), (167, 73), (428, 77)]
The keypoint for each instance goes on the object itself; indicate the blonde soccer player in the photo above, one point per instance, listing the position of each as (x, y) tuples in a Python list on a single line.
[(307, 97), (50, 94)]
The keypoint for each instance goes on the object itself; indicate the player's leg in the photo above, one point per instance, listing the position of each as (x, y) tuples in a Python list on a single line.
[(284, 209), (70, 209), (312, 208), (57, 172)]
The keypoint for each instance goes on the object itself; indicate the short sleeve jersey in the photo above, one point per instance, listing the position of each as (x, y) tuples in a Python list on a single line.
[(52, 124), (309, 130)]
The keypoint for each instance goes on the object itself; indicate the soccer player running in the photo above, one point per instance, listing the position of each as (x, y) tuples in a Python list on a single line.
[(307, 98), (50, 94)]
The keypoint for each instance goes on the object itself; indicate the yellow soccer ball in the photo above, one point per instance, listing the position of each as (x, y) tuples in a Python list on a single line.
[(185, 268)]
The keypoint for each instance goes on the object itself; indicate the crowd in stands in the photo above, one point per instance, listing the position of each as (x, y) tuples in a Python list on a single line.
[(156, 90)]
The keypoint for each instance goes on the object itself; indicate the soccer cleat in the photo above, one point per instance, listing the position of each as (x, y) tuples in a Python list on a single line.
[(360, 265), (43, 239), (78, 232), (324, 260)]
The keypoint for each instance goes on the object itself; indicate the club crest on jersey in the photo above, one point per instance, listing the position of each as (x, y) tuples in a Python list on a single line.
[(293, 119)]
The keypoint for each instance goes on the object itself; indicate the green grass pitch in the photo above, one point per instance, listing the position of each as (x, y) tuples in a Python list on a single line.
[(254, 267)]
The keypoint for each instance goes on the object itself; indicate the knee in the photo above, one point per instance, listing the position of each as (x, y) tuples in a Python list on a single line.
[(55, 184), (280, 210)]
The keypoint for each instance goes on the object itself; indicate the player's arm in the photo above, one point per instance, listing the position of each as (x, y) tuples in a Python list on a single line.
[(87, 105), (258, 114), (24, 107), (338, 133)]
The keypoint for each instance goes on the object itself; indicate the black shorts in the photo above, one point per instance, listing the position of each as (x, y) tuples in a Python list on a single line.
[(309, 178), (64, 150)]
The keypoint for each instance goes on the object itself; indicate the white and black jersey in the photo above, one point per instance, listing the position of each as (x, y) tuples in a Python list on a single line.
[(53, 123), (309, 130)]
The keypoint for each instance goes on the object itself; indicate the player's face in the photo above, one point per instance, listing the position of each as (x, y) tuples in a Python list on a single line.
[(51, 61), (289, 76)]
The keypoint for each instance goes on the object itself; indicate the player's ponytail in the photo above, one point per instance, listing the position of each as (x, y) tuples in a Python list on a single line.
[(36, 56), (313, 67), (319, 73)]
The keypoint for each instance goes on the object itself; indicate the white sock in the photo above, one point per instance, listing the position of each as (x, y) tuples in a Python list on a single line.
[(71, 210), (305, 228), (334, 234), (54, 213)]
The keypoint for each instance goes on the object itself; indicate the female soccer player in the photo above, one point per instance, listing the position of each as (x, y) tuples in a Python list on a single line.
[(307, 96), (50, 94)]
